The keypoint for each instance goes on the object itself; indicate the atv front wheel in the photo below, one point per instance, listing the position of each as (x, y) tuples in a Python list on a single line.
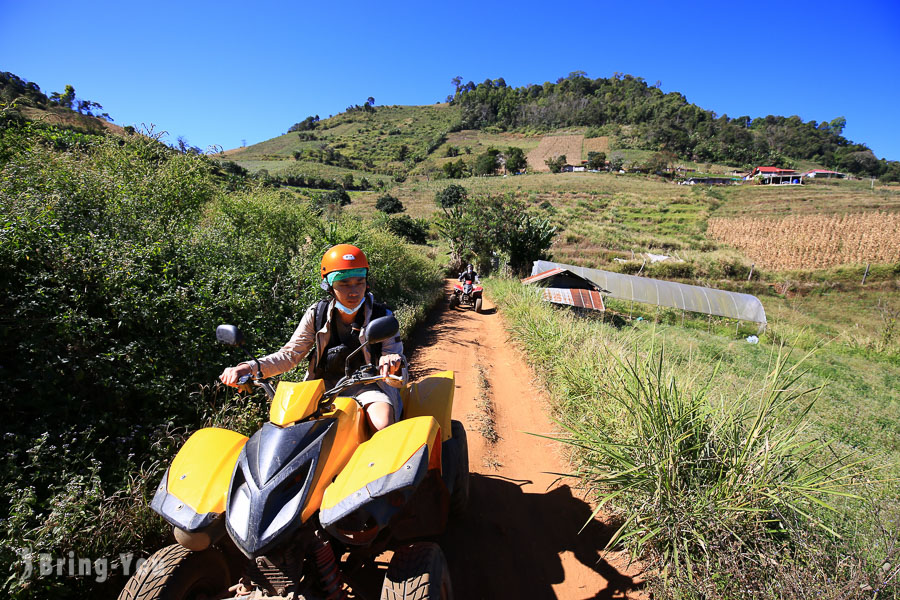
[(478, 305), (454, 302), (418, 572), (176, 573)]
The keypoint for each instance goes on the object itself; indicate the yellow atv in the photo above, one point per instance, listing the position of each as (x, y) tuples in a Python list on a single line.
[(271, 516)]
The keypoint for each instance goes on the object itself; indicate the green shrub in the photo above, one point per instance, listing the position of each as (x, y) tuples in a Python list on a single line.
[(119, 258), (414, 231), (389, 205)]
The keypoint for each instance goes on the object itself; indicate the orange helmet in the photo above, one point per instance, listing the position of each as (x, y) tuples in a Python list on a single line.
[(342, 257)]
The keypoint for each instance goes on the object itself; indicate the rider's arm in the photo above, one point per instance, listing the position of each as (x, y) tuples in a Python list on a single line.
[(293, 352)]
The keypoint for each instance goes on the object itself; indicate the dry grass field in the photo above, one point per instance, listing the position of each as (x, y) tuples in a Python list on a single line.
[(597, 144), (812, 241), (555, 145)]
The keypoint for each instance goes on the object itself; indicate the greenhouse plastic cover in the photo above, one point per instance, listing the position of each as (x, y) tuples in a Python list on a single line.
[(732, 305)]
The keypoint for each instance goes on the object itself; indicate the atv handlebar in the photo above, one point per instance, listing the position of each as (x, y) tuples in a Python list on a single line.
[(358, 378)]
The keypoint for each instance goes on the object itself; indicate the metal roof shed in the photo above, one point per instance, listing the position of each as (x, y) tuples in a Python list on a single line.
[(694, 298), (565, 287)]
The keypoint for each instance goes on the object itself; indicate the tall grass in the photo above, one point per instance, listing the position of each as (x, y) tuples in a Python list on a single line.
[(725, 491)]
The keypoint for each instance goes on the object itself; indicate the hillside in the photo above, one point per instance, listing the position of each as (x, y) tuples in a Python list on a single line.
[(645, 127)]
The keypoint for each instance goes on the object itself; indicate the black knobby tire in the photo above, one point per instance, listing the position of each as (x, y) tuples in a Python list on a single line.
[(418, 572), (176, 573), (459, 499), (478, 305), (454, 301)]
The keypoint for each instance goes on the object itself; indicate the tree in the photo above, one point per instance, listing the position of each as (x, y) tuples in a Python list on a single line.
[(515, 159), (616, 161), (66, 99), (596, 160), (339, 197), (402, 152), (415, 231), (347, 181), (556, 163), (485, 225), (454, 170), (306, 124), (451, 198), (389, 205), (486, 163)]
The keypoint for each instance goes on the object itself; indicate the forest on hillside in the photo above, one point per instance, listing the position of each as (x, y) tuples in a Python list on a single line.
[(642, 116)]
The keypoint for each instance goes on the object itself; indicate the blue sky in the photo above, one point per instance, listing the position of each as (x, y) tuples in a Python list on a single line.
[(223, 72)]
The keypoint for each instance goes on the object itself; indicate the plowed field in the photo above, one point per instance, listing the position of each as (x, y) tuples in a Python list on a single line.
[(555, 145), (597, 144)]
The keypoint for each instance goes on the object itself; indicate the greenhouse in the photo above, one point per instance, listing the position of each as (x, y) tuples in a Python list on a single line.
[(693, 298)]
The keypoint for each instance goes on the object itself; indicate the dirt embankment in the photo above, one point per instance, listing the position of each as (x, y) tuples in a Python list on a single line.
[(520, 537)]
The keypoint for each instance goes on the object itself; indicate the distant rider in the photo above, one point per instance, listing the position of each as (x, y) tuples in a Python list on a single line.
[(469, 276), (346, 314)]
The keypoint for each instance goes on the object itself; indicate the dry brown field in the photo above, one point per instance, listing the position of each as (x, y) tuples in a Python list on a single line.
[(555, 145), (812, 241), (597, 144)]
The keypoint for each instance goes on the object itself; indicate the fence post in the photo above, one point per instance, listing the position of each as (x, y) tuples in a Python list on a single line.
[(751, 271), (866, 274)]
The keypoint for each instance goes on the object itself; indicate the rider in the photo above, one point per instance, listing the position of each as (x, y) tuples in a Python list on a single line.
[(469, 275), (351, 307)]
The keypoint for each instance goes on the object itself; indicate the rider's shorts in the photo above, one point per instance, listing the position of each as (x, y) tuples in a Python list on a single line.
[(371, 393)]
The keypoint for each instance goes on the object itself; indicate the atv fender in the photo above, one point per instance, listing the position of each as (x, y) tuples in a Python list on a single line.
[(192, 493), (294, 401), (433, 396), (383, 474)]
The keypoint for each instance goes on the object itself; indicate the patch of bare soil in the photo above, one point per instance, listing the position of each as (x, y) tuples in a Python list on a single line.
[(522, 535), (552, 146)]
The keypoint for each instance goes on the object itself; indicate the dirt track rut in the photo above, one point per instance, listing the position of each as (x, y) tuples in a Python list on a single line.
[(520, 537)]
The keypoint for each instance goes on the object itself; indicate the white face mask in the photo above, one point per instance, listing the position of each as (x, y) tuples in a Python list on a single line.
[(346, 310)]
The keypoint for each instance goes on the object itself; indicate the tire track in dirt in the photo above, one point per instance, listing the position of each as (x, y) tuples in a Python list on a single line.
[(520, 536)]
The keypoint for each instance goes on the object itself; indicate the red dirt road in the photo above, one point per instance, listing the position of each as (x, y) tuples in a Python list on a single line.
[(520, 536)]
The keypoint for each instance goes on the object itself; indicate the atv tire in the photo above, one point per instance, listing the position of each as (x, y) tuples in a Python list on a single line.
[(478, 305), (454, 302), (176, 573), (459, 499), (418, 572)]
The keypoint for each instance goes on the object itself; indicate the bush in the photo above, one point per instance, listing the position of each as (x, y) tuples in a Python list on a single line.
[(118, 259), (414, 231), (556, 163), (389, 205)]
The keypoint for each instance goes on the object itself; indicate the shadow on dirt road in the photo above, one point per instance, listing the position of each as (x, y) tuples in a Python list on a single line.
[(509, 544)]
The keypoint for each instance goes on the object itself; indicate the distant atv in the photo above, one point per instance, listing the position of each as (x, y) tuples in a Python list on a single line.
[(466, 294), (272, 515)]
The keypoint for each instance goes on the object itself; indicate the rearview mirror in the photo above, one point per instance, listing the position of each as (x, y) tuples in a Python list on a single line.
[(229, 335), (382, 329)]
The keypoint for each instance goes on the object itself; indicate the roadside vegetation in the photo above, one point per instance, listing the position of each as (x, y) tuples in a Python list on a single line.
[(119, 257), (735, 470)]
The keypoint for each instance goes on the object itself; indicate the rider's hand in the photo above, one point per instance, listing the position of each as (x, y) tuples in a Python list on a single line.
[(231, 375), (391, 364)]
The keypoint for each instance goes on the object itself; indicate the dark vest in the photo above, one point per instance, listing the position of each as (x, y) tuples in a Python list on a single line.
[(332, 365)]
